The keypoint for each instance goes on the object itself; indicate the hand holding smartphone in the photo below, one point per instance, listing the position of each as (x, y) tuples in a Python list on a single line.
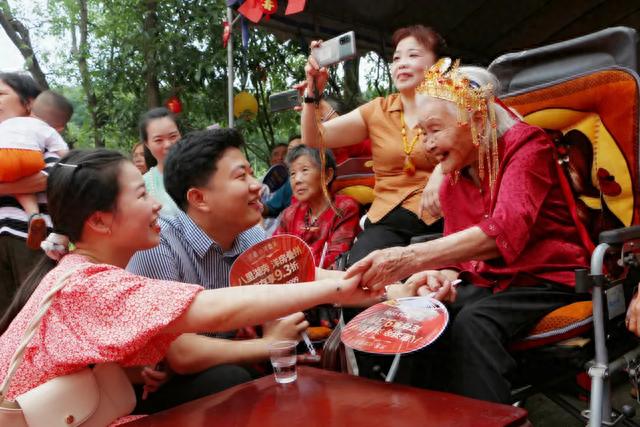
[(335, 50)]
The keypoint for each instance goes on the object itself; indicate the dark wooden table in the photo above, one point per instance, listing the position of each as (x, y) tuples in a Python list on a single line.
[(325, 398)]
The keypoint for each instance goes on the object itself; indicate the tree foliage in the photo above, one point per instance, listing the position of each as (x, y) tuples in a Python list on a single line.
[(129, 55), (21, 38)]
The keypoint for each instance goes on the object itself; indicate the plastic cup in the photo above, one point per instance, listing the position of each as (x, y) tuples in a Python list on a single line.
[(283, 360)]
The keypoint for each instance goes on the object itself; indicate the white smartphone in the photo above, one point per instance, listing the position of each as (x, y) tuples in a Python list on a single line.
[(335, 50)]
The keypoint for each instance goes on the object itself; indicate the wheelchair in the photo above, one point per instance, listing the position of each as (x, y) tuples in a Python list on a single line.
[(584, 92)]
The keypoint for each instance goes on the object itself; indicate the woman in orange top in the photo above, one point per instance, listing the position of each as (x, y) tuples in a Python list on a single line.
[(401, 166)]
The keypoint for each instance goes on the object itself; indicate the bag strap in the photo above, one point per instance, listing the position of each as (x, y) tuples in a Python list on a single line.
[(16, 360)]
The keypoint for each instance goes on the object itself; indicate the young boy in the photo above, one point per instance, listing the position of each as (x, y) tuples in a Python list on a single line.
[(23, 140)]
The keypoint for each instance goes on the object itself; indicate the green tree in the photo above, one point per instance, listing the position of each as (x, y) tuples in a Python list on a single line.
[(21, 38), (130, 55)]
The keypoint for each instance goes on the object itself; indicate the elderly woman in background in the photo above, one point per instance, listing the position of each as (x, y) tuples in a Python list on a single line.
[(137, 156), (509, 233), (328, 230), (400, 165)]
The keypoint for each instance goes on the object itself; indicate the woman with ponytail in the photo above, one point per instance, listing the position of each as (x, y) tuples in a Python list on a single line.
[(103, 314)]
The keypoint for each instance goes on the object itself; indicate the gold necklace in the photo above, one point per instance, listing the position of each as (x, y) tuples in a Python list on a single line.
[(409, 168), (311, 221)]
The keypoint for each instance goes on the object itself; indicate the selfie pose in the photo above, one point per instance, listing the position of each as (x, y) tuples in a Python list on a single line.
[(400, 163)]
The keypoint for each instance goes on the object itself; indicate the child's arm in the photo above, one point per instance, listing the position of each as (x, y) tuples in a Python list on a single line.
[(54, 143)]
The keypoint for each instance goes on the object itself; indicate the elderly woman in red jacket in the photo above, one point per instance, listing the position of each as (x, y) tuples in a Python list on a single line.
[(509, 234)]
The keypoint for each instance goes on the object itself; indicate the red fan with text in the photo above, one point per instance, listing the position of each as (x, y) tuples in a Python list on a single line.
[(397, 326), (278, 259)]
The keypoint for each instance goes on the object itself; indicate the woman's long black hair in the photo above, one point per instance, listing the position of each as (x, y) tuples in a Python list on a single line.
[(23, 85), (83, 182)]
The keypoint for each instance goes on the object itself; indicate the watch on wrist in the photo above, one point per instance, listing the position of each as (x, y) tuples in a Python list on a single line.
[(311, 99)]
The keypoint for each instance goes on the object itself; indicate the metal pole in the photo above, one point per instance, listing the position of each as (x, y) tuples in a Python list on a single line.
[(600, 406), (393, 370), (230, 67)]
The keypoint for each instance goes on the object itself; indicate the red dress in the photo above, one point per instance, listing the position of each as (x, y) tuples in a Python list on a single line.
[(338, 231), (103, 314), (528, 216)]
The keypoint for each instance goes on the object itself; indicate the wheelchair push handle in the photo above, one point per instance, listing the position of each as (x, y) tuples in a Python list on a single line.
[(620, 235)]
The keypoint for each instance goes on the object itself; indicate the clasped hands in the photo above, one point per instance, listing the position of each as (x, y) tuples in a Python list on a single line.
[(386, 268)]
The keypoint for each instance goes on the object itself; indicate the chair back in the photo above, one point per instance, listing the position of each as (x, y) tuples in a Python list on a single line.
[(585, 95)]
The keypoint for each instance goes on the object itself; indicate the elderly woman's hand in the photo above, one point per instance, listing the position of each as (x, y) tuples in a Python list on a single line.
[(382, 267), (437, 283), (434, 283), (430, 202), (316, 76), (633, 315)]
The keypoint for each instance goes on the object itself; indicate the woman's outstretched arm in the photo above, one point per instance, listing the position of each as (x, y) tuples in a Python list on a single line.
[(230, 308)]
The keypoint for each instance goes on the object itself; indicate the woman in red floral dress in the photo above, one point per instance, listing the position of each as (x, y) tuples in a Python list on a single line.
[(104, 314)]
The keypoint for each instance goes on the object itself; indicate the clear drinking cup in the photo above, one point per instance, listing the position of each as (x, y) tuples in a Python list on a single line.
[(283, 360)]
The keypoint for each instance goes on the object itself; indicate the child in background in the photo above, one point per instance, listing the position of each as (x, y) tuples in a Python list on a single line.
[(23, 140)]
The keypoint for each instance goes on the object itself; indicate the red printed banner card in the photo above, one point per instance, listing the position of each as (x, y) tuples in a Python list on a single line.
[(279, 259), (397, 326)]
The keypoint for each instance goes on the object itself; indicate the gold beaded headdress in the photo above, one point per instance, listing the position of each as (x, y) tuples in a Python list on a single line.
[(444, 81)]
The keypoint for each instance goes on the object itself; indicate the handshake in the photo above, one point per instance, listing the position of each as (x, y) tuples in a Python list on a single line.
[(378, 278)]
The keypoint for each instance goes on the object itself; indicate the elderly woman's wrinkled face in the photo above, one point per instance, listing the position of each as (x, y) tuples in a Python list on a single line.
[(449, 142), (304, 174), (410, 60)]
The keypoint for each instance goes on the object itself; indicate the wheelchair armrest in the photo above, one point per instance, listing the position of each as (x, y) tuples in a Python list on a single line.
[(584, 282), (425, 238), (620, 235)]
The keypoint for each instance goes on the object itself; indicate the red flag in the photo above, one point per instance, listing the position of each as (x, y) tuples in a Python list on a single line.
[(251, 9), (269, 7), (226, 33), (295, 6)]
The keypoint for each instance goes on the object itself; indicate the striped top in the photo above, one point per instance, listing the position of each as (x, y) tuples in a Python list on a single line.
[(187, 254), (13, 219)]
